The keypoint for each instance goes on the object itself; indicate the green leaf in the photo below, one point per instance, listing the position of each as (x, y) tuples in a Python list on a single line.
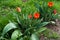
[(21, 39), (41, 30), (39, 7), (34, 37), (16, 34), (8, 27), (18, 19), (42, 24)]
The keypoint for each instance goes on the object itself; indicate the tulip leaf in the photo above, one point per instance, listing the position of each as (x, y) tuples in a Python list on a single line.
[(34, 37), (41, 30), (8, 27), (16, 34), (42, 24), (21, 39)]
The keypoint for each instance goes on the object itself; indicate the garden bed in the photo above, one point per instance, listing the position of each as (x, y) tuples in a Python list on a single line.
[(29, 20)]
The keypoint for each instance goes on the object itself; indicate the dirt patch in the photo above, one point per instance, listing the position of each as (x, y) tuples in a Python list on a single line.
[(55, 28)]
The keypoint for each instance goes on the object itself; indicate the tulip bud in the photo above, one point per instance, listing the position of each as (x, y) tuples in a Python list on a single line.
[(18, 9)]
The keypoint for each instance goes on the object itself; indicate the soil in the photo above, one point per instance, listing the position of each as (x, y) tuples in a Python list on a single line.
[(55, 28)]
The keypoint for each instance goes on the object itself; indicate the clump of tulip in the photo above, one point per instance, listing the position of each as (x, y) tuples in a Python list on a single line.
[(46, 11)]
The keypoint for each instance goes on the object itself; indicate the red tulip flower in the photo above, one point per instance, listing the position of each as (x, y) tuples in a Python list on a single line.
[(36, 15), (50, 4), (30, 16), (18, 9), (54, 11)]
